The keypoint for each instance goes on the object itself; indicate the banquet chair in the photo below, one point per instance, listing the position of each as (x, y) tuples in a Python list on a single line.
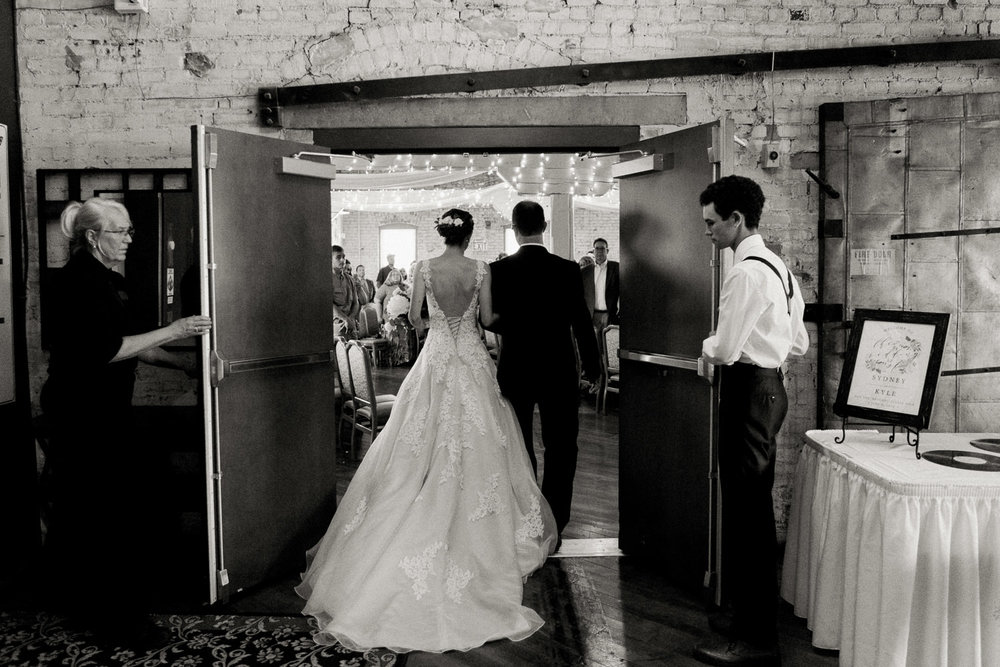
[(610, 364), (345, 405), (372, 410)]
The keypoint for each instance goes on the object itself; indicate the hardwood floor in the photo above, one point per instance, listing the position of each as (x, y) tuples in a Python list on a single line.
[(598, 611)]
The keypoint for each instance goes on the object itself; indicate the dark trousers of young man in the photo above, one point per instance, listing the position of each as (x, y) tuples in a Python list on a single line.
[(752, 408)]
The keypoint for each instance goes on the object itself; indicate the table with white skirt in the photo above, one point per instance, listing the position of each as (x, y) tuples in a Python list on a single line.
[(895, 560)]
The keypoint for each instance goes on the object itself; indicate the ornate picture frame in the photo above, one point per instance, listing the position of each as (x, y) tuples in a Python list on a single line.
[(892, 366)]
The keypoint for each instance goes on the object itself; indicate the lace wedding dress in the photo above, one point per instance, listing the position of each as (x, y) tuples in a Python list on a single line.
[(443, 520)]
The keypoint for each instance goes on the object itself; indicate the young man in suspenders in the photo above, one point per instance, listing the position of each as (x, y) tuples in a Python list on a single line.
[(760, 325)]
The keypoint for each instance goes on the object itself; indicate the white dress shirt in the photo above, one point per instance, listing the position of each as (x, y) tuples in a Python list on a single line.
[(755, 326), (600, 282)]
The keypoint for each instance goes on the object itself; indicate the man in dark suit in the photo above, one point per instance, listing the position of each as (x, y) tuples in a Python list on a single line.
[(366, 288), (538, 297), (383, 273), (600, 287)]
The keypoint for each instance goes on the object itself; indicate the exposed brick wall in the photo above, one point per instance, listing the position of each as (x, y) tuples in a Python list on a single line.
[(98, 89)]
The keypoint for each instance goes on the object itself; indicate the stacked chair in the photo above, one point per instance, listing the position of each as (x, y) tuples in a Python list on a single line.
[(612, 370)]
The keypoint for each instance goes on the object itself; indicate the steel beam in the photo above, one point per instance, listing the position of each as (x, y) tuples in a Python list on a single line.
[(272, 100), (590, 110)]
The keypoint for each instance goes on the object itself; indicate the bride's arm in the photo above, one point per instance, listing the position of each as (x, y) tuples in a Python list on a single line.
[(486, 315), (417, 299)]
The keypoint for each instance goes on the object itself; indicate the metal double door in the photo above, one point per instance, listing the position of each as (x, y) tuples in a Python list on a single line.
[(670, 272), (268, 374)]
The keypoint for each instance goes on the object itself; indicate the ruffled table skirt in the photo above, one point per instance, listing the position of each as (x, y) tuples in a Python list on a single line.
[(895, 560)]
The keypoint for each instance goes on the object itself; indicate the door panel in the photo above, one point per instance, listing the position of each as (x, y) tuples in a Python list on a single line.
[(669, 276), (665, 499), (666, 268), (269, 414)]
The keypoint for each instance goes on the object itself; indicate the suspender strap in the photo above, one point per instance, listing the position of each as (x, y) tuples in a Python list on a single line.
[(791, 289)]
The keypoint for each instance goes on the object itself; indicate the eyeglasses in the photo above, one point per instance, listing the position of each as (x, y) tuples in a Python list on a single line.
[(130, 231)]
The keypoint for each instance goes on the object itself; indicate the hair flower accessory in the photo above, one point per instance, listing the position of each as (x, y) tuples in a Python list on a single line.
[(454, 217)]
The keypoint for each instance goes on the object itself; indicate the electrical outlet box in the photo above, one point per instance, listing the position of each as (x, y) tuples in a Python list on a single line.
[(770, 155), (132, 6)]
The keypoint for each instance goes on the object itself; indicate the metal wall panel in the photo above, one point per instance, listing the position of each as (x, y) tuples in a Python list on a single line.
[(981, 164), (933, 108), (981, 276), (877, 170), (983, 104), (930, 287), (936, 145), (944, 413), (977, 335), (933, 203), (879, 285), (944, 149)]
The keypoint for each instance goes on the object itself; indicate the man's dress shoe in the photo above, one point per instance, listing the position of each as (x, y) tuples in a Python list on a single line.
[(737, 652)]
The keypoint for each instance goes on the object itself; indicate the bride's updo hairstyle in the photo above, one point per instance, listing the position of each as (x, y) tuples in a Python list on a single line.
[(455, 225)]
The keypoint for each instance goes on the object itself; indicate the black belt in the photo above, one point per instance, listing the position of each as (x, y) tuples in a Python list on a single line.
[(600, 311), (743, 367)]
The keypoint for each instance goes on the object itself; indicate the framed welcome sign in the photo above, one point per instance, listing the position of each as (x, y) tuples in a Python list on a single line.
[(891, 368)]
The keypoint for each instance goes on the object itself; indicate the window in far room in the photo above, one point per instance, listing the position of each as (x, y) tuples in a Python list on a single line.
[(401, 241)]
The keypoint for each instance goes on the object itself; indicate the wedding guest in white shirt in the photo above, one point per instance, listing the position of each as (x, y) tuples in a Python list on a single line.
[(601, 288), (760, 325)]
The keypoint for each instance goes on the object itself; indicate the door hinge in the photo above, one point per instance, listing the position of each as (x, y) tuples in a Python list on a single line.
[(211, 150)]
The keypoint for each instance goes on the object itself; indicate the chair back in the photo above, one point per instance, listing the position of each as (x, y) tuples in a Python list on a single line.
[(360, 363), (611, 346), (343, 368)]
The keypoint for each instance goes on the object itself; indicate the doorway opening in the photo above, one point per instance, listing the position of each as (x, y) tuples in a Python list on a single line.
[(389, 205)]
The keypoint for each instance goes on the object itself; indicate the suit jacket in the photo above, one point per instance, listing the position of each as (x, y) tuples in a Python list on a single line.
[(366, 291), (539, 299), (382, 274), (611, 290)]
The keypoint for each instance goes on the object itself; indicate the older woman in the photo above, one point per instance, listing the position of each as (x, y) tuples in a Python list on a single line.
[(98, 531), (393, 281)]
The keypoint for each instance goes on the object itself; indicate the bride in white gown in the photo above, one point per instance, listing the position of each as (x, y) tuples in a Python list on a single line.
[(443, 520)]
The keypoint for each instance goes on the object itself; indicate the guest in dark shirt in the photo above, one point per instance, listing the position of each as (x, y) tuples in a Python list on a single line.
[(99, 537)]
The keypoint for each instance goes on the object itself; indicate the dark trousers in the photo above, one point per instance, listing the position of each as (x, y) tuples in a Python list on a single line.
[(559, 415), (752, 408), (100, 546)]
